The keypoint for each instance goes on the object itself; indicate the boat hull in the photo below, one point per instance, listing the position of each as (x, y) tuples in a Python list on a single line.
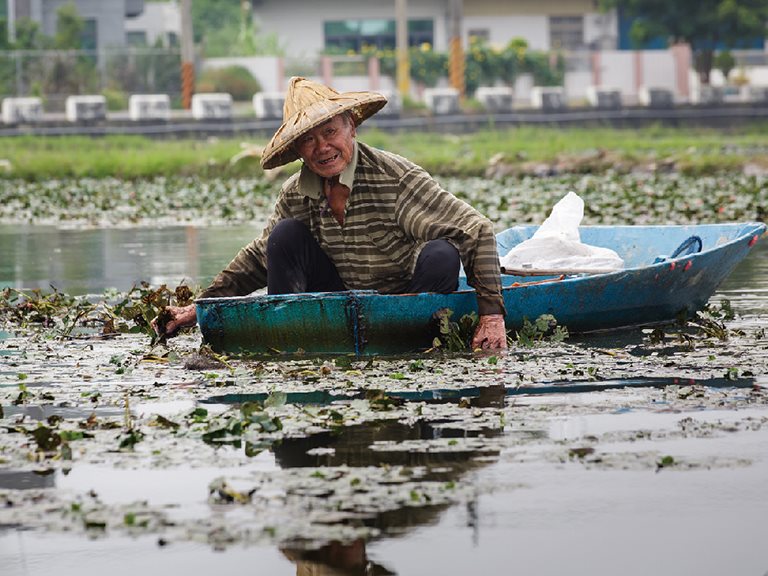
[(368, 323)]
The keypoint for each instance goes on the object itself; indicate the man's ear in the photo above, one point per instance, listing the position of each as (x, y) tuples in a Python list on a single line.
[(353, 128)]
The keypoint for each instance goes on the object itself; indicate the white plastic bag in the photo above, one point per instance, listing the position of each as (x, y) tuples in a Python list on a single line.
[(556, 245)]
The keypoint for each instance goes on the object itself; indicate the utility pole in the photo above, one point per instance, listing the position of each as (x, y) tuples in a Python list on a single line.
[(401, 39), (456, 52), (187, 55), (11, 20)]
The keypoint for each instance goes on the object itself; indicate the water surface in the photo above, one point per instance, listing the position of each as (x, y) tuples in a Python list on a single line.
[(537, 510)]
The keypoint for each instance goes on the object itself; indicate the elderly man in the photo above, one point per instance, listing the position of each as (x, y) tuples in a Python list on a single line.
[(358, 218)]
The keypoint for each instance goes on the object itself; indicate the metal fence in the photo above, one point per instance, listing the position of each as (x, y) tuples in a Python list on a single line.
[(116, 73)]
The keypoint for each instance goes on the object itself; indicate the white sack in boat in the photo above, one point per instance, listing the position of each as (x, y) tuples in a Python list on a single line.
[(556, 245)]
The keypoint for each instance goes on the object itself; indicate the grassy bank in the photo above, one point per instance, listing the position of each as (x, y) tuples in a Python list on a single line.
[(520, 150)]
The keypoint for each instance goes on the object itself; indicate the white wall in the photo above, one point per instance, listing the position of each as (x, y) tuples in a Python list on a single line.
[(522, 88), (576, 84), (617, 70), (659, 69)]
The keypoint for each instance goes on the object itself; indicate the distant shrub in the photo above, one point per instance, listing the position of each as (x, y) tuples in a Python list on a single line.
[(116, 99), (234, 80)]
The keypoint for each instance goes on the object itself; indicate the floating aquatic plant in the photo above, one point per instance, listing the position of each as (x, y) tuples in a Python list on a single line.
[(62, 314)]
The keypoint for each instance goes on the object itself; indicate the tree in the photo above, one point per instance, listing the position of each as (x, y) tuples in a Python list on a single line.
[(28, 35), (69, 28), (703, 24), (227, 28), (69, 73)]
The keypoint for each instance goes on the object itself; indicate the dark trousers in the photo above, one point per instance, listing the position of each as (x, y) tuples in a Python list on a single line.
[(296, 263)]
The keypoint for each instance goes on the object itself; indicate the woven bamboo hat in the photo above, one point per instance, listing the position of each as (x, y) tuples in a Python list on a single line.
[(309, 104)]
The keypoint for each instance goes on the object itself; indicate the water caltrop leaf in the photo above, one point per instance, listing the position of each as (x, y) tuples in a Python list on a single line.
[(130, 438)]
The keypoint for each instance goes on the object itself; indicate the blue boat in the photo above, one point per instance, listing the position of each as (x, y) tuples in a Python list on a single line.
[(669, 270)]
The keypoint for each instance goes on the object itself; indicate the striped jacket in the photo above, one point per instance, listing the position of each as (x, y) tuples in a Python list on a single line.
[(394, 207)]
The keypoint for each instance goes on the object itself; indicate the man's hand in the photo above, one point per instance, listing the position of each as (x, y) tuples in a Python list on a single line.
[(490, 333), (175, 318)]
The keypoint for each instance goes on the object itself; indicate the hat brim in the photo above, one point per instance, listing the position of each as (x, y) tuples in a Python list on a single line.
[(362, 105)]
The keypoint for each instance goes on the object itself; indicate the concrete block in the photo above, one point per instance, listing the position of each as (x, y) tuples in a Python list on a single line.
[(86, 108), (268, 105), (22, 110), (149, 107), (496, 99), (604, 98), (756, 94), (442, 100), (212, 106), (548, 98), (656, 97), (708, 95)]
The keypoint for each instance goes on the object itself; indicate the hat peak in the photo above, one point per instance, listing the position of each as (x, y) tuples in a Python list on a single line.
[(302, 93)]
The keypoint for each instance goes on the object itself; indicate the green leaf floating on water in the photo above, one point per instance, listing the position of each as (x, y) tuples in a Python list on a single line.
[(130, 438), (544, 328)]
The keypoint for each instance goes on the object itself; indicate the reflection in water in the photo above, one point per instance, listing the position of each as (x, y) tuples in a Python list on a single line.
[(90, 261), (747, 286), (335, 559), (350, 446), (493, 396), (26, 480)]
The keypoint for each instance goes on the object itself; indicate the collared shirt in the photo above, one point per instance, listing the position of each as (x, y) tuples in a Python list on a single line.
[(394, 207)]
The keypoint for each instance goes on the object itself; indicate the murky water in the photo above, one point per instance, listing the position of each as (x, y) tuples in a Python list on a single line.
[(89, 261), (563, 479)]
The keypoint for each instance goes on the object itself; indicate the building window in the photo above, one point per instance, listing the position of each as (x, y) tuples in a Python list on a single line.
[(136, 38), (346, 35), (89, 39), (566, 32), (480, 35)]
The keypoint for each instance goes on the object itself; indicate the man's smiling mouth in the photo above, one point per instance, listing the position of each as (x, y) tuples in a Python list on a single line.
[(328, 160)]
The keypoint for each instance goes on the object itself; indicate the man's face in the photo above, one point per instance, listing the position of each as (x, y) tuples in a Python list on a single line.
[(328, 148)]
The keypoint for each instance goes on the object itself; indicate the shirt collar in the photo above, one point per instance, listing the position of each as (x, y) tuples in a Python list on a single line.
[(311, 185)]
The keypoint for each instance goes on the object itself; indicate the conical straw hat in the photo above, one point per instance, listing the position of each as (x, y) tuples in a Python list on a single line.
[(309, 104)]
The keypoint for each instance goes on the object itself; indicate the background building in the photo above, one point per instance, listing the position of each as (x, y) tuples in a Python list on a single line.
[(104, 19), (307, 28), (158, 24)]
